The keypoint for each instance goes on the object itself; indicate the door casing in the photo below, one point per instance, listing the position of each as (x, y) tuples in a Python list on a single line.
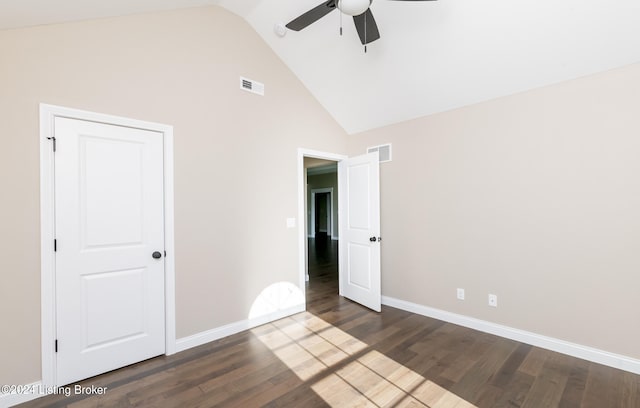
[(48, 113), (302, 216)]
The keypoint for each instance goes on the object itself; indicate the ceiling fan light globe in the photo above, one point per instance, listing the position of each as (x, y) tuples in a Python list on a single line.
[(353, 7)]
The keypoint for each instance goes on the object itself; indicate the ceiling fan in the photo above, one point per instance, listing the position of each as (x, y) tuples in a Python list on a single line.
[(359, 9)]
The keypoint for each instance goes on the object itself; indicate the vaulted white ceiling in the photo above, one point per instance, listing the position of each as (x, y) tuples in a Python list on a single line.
[(431, 57)]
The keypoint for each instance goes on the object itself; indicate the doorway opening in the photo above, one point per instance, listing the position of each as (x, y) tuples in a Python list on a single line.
[(321, 214), (358, 256), (322, 222)]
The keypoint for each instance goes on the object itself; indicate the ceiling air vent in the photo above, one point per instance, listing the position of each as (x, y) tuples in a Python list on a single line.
[(384, 152), (252, 86)]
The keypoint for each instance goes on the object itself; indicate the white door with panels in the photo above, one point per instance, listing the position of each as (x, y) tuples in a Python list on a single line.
[(359, 195), (109, 259)]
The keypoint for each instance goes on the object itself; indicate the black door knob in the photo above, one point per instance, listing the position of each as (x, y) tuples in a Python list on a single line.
[(156, 255), (373, 239)]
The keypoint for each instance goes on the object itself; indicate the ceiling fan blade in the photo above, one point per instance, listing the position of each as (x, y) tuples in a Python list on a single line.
[(312, 16), (366, 20)]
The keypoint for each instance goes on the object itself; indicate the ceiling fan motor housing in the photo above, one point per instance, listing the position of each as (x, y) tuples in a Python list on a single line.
[(353, 7)]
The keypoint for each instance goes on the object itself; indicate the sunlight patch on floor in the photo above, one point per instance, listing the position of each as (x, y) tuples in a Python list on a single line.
[(310, 346)]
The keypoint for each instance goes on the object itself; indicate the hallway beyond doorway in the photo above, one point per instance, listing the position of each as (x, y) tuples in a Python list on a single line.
[(323, 267)]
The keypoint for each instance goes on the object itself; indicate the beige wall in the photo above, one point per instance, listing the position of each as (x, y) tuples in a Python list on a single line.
[(534, 197), (326, 180), (180, 68)]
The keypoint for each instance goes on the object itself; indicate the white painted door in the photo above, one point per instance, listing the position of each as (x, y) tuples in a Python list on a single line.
[(109, 221), (359, 195)]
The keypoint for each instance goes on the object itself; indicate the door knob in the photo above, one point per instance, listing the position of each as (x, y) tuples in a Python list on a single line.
[(373, 239), (156, 255)]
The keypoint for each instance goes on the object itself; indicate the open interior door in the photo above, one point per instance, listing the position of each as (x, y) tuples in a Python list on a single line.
[(359, 195)]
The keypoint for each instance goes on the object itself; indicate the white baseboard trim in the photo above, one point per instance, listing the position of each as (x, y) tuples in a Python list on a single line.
[(35, 390), (576, 350), (199, 339)]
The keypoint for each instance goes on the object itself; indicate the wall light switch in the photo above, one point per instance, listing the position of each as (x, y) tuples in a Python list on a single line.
[(493, 300), (460, 294), (291, 222)]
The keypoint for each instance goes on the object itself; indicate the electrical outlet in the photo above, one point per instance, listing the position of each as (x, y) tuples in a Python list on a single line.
[(493, 300), (460, 294)]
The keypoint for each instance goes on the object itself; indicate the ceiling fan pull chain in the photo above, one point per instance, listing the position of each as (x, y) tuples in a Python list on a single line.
[(365, 32), (340, 12)]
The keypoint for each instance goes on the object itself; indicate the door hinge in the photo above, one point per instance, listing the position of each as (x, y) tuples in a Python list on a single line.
[(55, 245), (56, 345), (54, 142)]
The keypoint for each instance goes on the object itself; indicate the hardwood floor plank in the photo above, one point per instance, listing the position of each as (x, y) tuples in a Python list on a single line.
[(534, 361), (548, 387), (508, 369), (515, 391), (630, 390), (470, 385), (302, 396), (576, 384)]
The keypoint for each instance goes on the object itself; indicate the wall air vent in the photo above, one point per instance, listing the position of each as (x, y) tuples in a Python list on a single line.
[(252, 86), (384, 152)]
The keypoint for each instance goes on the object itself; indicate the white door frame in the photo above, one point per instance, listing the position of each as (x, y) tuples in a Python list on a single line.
[(48, 113), (302, 215), (330, 217)]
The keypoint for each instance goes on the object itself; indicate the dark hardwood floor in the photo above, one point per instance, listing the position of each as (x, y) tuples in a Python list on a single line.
[(340, 354)]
